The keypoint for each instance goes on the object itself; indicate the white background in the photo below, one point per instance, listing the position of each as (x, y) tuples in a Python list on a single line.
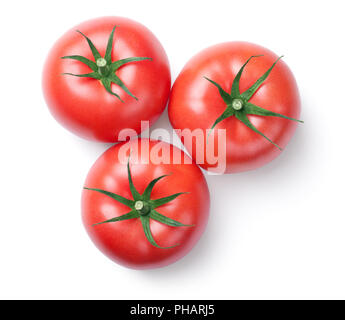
[(277, 232)]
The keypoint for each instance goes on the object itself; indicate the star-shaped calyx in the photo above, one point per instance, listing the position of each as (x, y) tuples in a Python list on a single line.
[(103, 68), (143, 207), (238, 105)]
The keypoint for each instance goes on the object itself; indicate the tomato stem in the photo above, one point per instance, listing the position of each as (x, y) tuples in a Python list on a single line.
[(103, 68), (142, 207), (237, 104)]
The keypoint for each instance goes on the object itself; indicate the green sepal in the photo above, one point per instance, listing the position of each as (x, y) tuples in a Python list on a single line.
[(145, 220), (107, 85), (91, 64), (226, 114), (235, 89), (148, 190), (125, 201), (226, 96), (255, 110), (130, 215), (109, 49), (250, 92), (119, 63), (170, 222), (93, 75), (243, 118), (159, 202), (136, 195), (115, 79), (94, 51)]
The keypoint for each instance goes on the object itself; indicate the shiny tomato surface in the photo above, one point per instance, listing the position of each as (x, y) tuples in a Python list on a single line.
[(195, 104), (125, 241), (82, 105)]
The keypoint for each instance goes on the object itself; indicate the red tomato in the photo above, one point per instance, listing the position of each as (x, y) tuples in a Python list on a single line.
[(126, 241), (196, 102), (88, 106)]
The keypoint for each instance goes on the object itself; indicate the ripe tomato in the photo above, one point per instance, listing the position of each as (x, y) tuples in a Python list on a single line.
[(106, 75), (256, 114), (148, 213)]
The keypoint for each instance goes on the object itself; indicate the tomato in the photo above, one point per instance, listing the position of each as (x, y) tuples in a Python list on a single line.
[(95, 90), (138, 228), (256, 108)]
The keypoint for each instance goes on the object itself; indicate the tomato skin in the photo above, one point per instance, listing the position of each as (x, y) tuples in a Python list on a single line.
[(82, 105), (125, 241), (195, 103)]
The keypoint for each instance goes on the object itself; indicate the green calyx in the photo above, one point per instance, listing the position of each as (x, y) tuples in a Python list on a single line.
[(238, 105), (143, 207), (103, 68)]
